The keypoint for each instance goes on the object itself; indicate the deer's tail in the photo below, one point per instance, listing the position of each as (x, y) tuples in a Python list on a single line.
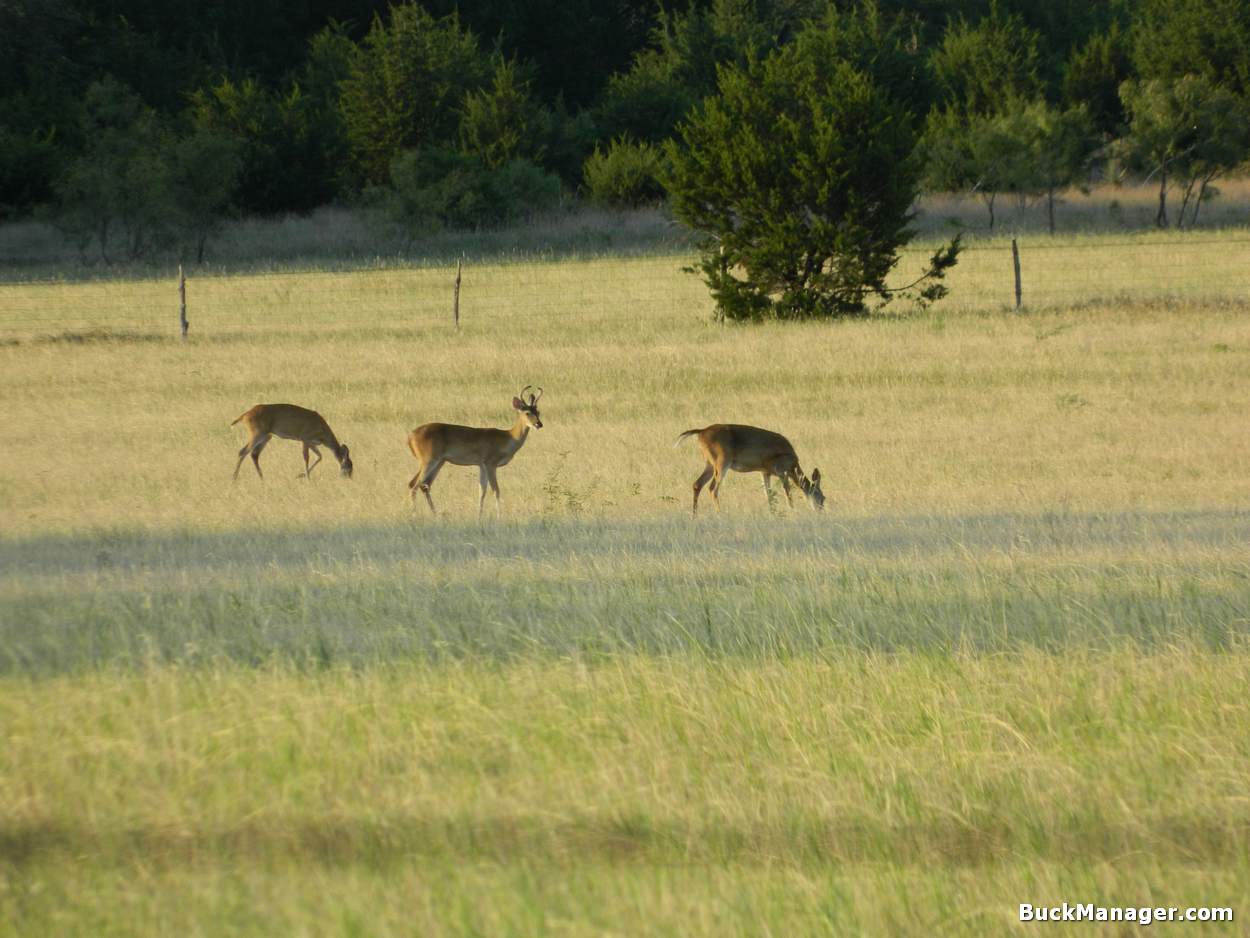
[(250, 412), (677, 442)]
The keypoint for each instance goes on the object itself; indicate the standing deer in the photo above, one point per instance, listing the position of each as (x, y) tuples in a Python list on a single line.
[(487, 448), (733, 446), (265, 421)]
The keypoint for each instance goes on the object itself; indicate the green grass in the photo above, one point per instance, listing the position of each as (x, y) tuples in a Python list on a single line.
[(871, 794), (1007, 664)]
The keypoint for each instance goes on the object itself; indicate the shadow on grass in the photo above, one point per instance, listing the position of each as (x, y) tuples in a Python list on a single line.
[(540, 540), (794, 841), (757, 588)]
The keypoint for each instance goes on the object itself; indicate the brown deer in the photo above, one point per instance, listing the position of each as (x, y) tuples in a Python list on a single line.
[(487, 448), (265, 421), (733, 446)]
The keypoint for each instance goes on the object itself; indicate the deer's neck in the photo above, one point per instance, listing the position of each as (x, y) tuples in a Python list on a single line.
[(520, 430), (331, 441)]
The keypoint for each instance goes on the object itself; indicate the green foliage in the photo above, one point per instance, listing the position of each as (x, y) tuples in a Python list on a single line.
[(115, 192), (1187, 131), (627, 174), (27, 165), (1029, 148), (437, 187), (679, 69), (1174, 38), (979, 68), (1093, 77), (202, 172), (646, 102), (407, 82), (289, 142), (502, 123), (799, 176)]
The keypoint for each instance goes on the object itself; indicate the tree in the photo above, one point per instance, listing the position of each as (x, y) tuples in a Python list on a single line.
[(287, 142), (116, 187), (1185, 131), (1174, 38), (978, 68), (983, 154), (799, 176), (1061, 144), (1093, 77), (407, 83), (201, 171), (503, 122)]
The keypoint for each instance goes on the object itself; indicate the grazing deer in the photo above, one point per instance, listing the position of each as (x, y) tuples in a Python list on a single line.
[(732, 446), (487, 448), (265, 421)]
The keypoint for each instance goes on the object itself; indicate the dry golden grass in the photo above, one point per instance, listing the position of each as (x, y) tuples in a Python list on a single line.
[(1006, 665)]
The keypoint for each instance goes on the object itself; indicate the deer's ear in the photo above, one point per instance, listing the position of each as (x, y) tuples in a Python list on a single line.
[(518, 404), (815, 475)]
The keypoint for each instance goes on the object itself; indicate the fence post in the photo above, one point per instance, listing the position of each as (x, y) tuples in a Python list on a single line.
[(455, 298), (1015, 262), (182, 303)]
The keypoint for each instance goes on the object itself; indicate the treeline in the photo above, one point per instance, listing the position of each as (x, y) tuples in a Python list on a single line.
[(138, 122)]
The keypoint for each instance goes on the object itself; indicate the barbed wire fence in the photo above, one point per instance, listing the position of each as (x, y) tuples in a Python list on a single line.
[(1025, 275)]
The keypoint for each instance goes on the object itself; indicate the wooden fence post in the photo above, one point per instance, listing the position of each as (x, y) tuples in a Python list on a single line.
[(1015, 261), (182, 303), (455, 298)]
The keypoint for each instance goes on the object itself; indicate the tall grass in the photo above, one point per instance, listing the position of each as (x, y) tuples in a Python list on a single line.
[(1007, 664), (868, 794)]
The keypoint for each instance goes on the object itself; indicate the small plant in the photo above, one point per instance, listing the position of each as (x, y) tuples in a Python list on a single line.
[(626, 175)]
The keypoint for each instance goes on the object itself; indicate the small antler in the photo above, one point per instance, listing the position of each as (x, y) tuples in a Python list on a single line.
[(523, 390), (534, 398)]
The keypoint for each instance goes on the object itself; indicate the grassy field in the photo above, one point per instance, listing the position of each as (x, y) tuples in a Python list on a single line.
[(1007, 664)]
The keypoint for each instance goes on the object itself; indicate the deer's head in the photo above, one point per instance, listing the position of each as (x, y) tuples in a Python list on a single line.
[(343, 455), (529, 408), (811, 488)]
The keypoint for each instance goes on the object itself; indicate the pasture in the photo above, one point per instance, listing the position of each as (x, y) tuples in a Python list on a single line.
[(1006, 664)]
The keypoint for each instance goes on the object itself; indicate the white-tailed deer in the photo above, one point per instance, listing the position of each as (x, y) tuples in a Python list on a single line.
[(733, 446), (487, 448), (265, 421)]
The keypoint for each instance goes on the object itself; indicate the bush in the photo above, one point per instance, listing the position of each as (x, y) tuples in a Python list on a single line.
[(437, 187), (626, 175), (799, 177)]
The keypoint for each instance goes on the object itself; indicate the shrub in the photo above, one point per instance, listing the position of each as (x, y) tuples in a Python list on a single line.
[(626, 175), (437, 187)]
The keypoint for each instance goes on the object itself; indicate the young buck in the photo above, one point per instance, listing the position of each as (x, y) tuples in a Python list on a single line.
[(732, 446), (265, 421), (487, 448)]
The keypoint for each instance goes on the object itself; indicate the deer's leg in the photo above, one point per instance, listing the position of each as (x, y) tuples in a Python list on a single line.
[(482, 476), (785, 484), (427, 479), (257, 448), (307, 468), (247, 448), (786, 469), (768, 489), (494, 487), (698, 486), (720, 470)]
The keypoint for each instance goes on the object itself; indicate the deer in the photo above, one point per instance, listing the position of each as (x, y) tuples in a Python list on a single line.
[(740, 448), (289, 422), (435, 444)]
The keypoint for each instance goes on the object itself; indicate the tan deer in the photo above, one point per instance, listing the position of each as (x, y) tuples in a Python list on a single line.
[(265, 421), (733, 446), (435, 444)]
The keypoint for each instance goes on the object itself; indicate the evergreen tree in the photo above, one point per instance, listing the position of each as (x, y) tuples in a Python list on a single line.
[(799, 176)]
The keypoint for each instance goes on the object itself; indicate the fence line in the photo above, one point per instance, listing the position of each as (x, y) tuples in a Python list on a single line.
[(601, 290)]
